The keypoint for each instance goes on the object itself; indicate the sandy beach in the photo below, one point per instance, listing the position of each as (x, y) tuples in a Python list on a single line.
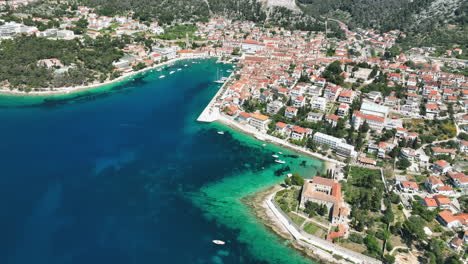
[(74, 89)]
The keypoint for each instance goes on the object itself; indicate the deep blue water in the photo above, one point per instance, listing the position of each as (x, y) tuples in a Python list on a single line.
[(108, 176)]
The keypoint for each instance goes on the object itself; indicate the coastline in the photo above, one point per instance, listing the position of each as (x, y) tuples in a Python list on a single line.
[(327, 162), (257, 204), (75, 89)]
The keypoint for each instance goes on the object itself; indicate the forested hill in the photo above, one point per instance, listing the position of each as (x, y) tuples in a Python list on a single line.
[(167, 11), (426, 21)]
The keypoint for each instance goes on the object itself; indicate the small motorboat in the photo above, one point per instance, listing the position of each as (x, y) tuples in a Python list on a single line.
[(179, 69), (171, 72), (281, 153), (280, 161), (263, 145), (275, 156), (162, 76), (219, 242), (221, 132)]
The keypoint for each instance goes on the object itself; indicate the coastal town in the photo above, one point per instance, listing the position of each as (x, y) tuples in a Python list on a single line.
[(391, 125)]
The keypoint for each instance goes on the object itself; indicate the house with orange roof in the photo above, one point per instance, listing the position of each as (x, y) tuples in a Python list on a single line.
[(447, 219), (408, 186), (430, 203), (281, 127), (442, 151), (243, 117), (443, 201), (432, 110), (298, 133), (433, 183), (346, 96), (343, 110), (456, 243), (290, 112), (259, 121), (367, 161), (376, 123), (332, 236), (332, 119), (459, 180), (441, 166)]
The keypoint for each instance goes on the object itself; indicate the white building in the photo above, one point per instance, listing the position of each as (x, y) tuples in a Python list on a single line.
[(338, 144), (65, 34), (251, 46), (319, 103), (369, 108), (274, 107)]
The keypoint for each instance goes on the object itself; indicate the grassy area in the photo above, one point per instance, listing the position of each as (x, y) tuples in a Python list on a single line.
[(298, 220), (399, 215), (431, 130), (353, 246), (315, 230), (178, 32), (364, 188), (288, 199), (396, 241)]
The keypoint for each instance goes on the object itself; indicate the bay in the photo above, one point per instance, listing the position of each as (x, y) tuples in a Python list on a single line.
[(124, 174)]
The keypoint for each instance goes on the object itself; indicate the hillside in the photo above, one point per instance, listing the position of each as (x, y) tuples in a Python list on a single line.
[(426, 22)]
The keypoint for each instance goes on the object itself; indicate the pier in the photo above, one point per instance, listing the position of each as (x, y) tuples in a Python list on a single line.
[(211, 112)]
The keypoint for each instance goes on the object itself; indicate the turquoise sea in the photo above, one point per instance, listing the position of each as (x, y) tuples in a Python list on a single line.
[(124, 174)]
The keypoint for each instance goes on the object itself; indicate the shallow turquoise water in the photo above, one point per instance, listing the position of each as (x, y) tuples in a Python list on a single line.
[(124, 174)]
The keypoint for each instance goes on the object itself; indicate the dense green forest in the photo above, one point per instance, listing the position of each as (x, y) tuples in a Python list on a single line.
[(90, 60)]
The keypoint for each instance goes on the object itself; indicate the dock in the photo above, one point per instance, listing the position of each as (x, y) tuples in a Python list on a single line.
[(211, 112)]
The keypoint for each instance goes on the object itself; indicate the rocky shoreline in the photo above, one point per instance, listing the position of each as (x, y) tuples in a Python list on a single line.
[(257, 204)]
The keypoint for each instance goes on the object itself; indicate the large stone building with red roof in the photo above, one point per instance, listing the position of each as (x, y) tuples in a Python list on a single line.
[(326, 192)]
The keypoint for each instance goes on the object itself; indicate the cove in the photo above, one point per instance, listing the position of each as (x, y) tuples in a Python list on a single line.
[(124, 174)]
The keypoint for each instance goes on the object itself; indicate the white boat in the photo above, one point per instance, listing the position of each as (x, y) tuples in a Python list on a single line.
[(159, 70), (219, 242), (280, 153), (179, 69), (219, 80), (229, 71), (185, 65), (162, 76), (275, 156), (171, 72), (280, 161), (289, 175), (221, 132), (263, 145)]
